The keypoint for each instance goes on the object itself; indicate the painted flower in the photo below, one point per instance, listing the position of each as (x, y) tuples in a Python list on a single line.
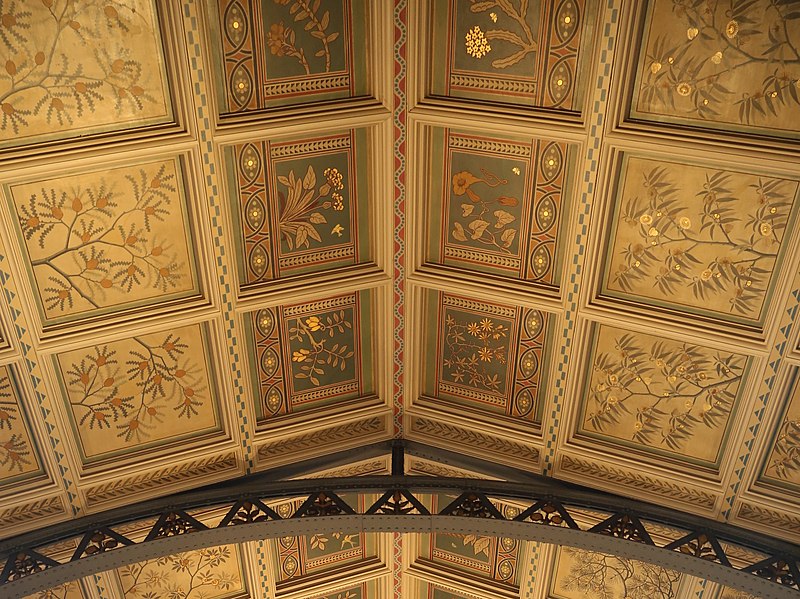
[(612, 400), (473, 329), (765, 229), (731, 29), (486, 354), (655, 67), (486, 324), (476, 43), (646, 219), (637, 426), (462, 182), (716, 58), (313, 323), (685, 222), (706, 274), (653, 232), (276, 38), (684, 89), (692, 32)]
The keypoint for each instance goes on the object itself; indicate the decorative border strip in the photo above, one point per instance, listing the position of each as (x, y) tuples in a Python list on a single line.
[(488, 145), (309, 147), (321, 305), (468, 304), (333, 83)]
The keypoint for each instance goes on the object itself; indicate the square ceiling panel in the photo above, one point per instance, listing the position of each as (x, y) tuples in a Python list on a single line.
[(732, 66), (489, 358), (313, 355), (526, 54), (697, 239), (140, 395), (659, 396), (19, 454), (113, 240), (300, 206), (77, 70), (496, 205), (287, 52)]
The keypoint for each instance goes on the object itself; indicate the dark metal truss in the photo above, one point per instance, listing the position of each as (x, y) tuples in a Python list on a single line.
[(552, 515)]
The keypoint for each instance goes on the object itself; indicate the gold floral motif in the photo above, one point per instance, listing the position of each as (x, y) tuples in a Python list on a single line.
[(282, 40), (476, 43), (317, 356), (472, 344)]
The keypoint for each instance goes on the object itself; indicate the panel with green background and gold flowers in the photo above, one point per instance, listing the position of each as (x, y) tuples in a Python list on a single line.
[(733, 66), (273, 53), (77, 69), (312, 355), (697, 239), (521, 53), (660, 396), (490, 358), (300, 206), (496, 205)]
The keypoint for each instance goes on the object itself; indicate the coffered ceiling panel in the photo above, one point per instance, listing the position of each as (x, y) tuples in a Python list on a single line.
[(693, 238), (524, 54), (19, 454), (496, 205), (728, 65), (306, 357), (301, 206), (288, 52), (490, 359), (109, 241), (782, 467), (659, 396), (79, 69), (150, 392), (212, 573)]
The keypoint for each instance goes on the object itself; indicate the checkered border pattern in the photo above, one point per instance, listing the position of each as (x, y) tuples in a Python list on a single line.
[(608, 35)]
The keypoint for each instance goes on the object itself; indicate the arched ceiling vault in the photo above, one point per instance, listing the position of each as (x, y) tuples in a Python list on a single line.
[(558, 234)]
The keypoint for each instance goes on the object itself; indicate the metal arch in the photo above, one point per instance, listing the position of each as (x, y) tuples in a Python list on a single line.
[(549, 518)]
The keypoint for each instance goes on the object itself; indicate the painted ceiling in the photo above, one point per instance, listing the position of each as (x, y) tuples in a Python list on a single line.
[(239, 233)]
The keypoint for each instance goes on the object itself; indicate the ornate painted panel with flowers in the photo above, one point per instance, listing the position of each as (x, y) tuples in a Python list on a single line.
[(498, 204), (75, 69), (511, 51), (136, 394), (782, 467), (19, 454), (726, 65), (697, 239), (107, 240), (274, 53), (300, 206), (308, 356), (489, 357), (487, 557), (577, 574), (658, 395), (210, 573)]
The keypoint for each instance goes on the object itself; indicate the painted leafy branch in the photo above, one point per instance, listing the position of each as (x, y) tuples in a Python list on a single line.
[(700, 75), (189, 575), (612, 577), (62, 591), (485, 221), (300, 207), (100, 239), (164, 379), (673, 232), (786, 455), (282, 39), (519, 34), (674, 389), (345, 541), (471, 349), (45, 79), (14, 450), (315, 332)]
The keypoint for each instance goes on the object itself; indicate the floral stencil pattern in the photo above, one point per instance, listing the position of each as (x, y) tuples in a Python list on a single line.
[(209, 573), (99, 240), (281, 39), (143, 389), (74, 67), (471, 348), (661, 393), (313, 358), (707, 239), (736, 61), (519, 34)]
